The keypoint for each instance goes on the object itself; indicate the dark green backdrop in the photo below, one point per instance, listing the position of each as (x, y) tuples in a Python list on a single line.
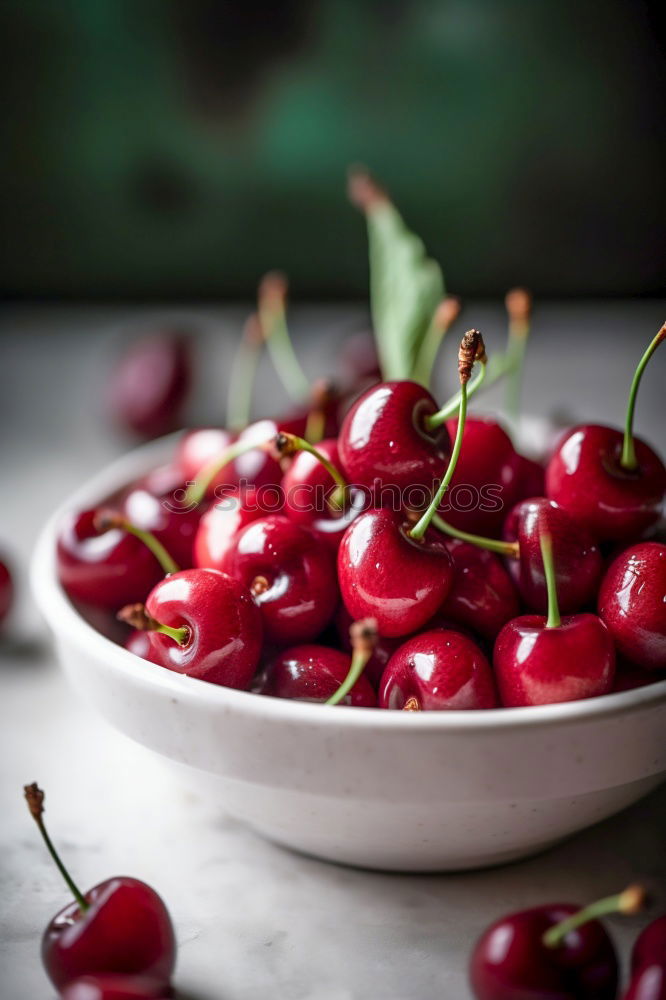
[(179, 147)]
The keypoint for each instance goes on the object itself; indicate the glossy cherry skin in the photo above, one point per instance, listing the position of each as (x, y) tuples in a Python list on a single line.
[(314, 673), (6, 591), (108, 986), (149, 388), (578, 561), (485, 484), (224, 624), (126, 929), (386, 575), (166, 517), (197, 448), (382, 651), (291, 577), (229, 515), (648, 983), (511, 962), (650, 945), (535, 665), (483, 596), (585, 477), (139, 643), (308, 486), (106, 570), (383, 442), (632, 603), (442, 670)]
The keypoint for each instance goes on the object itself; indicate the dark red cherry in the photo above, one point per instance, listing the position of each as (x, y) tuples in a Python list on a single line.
[(485, 484), (202, 623), (314, 673), (291, 577), (511, 960), (119, 926), (310, 493), (482, 597), (628, 676), (6, 591), (150, 386), (648, 983), (383, 440), (578, 561), (257, 467), (229, 515), (382, 650), (650, 945), (358, 360), (106, 570), (530, 479), (537, 665), (586, 478), (387, 575), (438, 670), (197, 448), (108, 986), (632, 603), (168, 519)]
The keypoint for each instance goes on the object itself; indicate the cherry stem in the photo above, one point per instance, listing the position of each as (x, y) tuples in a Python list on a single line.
[(471, 349), (106, 520), (34, 796), (509, 549), (243, 372), (519, 308), (273, 318), (436, 420), (322, 394), (288, 444), (554, 620), (363, 636), (443, 319), (629, 460), (630, 901), (137, 616), (197, 490)]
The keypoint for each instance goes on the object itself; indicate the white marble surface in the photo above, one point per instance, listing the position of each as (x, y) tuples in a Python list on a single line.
[(253, 920)]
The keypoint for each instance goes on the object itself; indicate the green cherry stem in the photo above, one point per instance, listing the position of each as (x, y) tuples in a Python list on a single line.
[(443, 319), (197, 490), (629, 460), (509, 549), (323, 392), (545, 541), (630, 901), (34, 796), (243, 372), (363, 635), (288, 444), (436, 420), (106, 520), (273, 318), (519, 307), (471, 349), (137, 616)]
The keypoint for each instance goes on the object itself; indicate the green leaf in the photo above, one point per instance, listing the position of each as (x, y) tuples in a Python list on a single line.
[(406, 286)]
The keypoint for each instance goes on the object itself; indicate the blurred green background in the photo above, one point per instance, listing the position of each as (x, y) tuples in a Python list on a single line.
[(179, 148)]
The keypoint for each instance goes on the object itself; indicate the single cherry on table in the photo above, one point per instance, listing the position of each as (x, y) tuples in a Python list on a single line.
[(552, 952), (119, 926), (201, 623), (632, 603), (611, 482), (541, 661)]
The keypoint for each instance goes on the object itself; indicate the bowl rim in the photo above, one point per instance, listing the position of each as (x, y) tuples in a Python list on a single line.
[(65, 620)]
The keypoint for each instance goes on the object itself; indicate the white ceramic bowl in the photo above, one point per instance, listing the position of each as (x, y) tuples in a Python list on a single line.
[(390, 790)]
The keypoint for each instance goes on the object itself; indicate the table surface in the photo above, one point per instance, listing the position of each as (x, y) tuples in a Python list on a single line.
[(254, 920)]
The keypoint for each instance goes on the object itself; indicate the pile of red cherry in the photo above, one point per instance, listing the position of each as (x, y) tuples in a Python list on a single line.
[(245, 561), (116, 942)]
